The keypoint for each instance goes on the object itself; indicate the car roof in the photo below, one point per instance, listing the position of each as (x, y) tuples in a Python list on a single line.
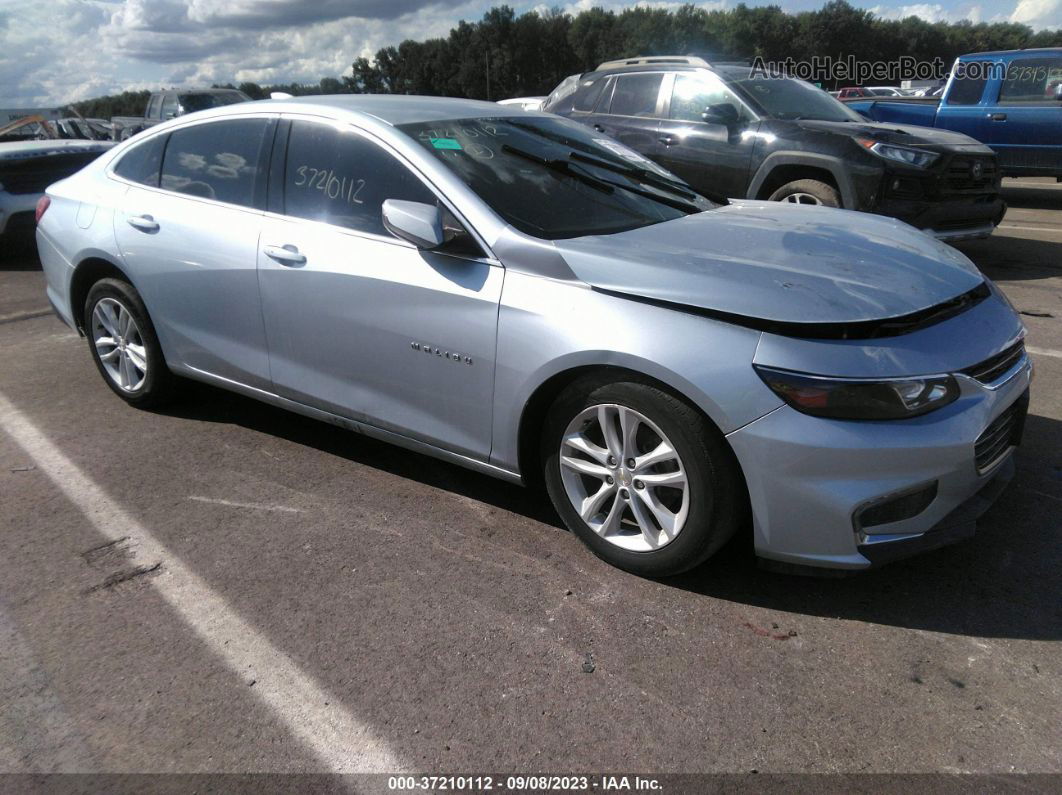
[(393, 109), (973, 56)]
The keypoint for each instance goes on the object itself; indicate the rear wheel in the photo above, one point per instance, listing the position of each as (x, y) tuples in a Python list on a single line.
[(640, 476), (124, 346), (807, 191)]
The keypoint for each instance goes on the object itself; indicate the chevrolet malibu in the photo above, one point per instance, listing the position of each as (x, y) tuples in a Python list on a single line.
[(514, 293)]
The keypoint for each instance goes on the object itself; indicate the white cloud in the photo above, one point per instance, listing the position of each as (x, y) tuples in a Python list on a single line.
[(1039, 14)]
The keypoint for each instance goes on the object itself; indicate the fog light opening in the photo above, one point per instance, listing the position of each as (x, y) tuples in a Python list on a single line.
[(894, 507)]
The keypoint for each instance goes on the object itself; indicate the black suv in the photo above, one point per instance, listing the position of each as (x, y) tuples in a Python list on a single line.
[(731, 133)]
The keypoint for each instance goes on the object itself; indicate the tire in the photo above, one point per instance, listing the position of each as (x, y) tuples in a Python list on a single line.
[(144, 387), (712, 499), (807, 191)]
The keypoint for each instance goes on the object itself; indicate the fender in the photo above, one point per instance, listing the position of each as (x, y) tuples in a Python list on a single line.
[(838, 168)]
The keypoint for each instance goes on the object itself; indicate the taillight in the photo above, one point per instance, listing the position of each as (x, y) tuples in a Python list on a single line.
[(42, 204)]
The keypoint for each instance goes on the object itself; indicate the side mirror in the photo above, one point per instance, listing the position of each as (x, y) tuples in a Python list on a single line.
[(723, 113), (420, 224)]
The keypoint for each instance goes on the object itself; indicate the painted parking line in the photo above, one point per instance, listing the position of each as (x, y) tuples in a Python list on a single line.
[(1053, 231), (1044, 352), (341, 742)]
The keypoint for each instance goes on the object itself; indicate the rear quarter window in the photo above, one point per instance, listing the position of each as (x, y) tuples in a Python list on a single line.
[(142, 163)]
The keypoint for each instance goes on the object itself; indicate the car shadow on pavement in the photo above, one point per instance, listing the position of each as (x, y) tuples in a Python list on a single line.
[(18, 253), (1023, 197), (1003, 583), (1004, 258)]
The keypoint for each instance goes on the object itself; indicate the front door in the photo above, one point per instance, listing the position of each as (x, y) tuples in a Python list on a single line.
[(713, 158), (362, 324), (1024, 117)]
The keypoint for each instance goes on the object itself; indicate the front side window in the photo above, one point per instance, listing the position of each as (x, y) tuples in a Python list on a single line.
[(154, 107), (169, 106), (1033, 81), (340, 177), (635, 95), (142, 162), (968, 82), (553, 178), (220, 160), (694, 92)]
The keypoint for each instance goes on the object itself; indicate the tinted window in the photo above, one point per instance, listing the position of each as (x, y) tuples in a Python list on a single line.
[(190, 103), (154, 106), (635, 95), (342, 178), (220, 160), (553, 178), (587, 95), (169, 107), (1033, 81), (968, 84), (141, 163), (694, 92)]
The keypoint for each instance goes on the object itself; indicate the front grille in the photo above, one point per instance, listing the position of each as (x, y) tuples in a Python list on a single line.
[(959, 175), (994, 366), (1002, 433)]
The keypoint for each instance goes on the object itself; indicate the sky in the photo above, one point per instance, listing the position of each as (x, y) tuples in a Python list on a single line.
[(58, 51)]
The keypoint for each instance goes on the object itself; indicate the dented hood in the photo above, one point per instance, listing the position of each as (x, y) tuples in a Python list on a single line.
[(777, 262)]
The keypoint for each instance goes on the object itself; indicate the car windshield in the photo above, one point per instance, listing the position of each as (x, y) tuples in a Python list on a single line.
[(552, 178), (787, 98), (193, 102)]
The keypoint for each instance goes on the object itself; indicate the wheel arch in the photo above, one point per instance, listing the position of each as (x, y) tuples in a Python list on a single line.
[(533, 415), (86, 273), (781, 168)]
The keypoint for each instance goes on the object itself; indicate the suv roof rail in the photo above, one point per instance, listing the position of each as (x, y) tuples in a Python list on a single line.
[(645, 60)]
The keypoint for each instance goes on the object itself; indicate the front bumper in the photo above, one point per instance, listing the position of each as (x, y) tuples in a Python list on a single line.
[(951, 219), (808, 477)]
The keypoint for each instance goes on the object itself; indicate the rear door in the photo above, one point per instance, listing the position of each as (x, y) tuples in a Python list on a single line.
[(1023, 115), (961, 109), (630, 111), (713, 158), (190, 240)]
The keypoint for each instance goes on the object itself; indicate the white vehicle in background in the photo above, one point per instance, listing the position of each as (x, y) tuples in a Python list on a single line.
[(885, 91), (524, 103)]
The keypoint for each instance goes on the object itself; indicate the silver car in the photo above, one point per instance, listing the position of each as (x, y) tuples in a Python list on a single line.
[(512, 292)]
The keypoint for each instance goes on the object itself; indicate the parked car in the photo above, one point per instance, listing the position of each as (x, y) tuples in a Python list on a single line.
[(164, 105), (524, 103), (852, 93), (28, 167), (884, 91), (1009, 100), (728, 132), (518, 294)]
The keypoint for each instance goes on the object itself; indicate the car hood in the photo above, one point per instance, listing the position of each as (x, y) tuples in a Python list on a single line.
[(929, 138), (784, 263)]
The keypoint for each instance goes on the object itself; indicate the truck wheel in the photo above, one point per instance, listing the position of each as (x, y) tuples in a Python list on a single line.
[(807, 191)]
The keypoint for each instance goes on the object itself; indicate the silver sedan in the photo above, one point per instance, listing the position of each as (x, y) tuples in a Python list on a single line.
[(517, 294)]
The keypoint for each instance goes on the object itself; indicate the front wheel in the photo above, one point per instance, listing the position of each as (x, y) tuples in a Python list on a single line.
[(807, 191), (640, 476)]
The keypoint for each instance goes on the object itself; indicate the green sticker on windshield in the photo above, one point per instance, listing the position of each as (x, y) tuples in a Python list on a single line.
[(445, 143)]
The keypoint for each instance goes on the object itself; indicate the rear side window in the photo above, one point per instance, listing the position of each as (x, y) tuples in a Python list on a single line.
[(142, 163), (968, 84), (342, 178), (220, 160), (635, 95), (1033, 81)]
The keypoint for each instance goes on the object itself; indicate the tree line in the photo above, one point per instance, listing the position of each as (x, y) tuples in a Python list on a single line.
[(507, 55)]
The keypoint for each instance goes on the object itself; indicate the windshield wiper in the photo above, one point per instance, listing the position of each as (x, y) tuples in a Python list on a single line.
[(563, 167), (647, 176)]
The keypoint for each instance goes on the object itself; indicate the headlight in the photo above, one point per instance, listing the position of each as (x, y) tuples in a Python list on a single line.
[(901, 154), (858, 398)]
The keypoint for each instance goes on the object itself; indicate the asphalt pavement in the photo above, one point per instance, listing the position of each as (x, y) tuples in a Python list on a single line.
[(225, 587)]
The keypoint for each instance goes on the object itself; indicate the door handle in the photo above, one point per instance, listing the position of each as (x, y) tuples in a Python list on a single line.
[(666, 140), (285, 255), (145, 223), (599, 128), (997, 116)]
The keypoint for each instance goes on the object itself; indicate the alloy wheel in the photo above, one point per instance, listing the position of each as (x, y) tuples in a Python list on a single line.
[(624, 477), (119, 344), (802, 198)]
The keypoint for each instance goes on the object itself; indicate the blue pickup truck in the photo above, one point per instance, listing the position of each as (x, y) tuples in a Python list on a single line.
[(1011, 101)]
